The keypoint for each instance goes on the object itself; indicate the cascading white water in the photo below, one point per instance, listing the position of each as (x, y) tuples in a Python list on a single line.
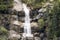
[(27, 27), (18, 6)]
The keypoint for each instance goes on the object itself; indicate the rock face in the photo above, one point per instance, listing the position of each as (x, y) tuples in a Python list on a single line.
[(17, 5), (13, 34), (34, 24)]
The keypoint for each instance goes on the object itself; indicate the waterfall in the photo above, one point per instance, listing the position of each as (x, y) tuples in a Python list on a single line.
[(18, 6), (27, 27)]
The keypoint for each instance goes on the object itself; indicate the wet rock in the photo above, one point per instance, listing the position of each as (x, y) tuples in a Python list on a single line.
[(36, 34), (34, 24), (36, 38)]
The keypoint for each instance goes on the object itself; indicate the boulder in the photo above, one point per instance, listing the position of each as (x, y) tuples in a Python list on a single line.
[(34, 24), (13, 34)]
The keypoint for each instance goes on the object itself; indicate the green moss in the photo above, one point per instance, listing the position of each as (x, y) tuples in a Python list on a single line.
[(41, 23), (3, 37), (5, 4), (4, 33), (3, 30)]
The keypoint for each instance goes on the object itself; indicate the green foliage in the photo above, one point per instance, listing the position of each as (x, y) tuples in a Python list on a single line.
[(3, 37), (4, 33), (3, 30), (5, 4), (54, 29), (41, 23), (34, 3)]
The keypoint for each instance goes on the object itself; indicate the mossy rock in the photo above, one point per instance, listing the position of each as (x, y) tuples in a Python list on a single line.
[(3, 30), (41, 23), (34, 3), (3, 37), (3, 33)]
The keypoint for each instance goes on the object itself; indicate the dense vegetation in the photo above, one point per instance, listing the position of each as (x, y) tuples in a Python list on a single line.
[(5, 4)]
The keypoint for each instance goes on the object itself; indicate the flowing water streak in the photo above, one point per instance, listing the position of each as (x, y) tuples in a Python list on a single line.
[(27, 27), (18, 7)]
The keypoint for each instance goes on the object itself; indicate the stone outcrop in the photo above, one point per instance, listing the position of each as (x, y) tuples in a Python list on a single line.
[(13, 35), (34, 24)]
